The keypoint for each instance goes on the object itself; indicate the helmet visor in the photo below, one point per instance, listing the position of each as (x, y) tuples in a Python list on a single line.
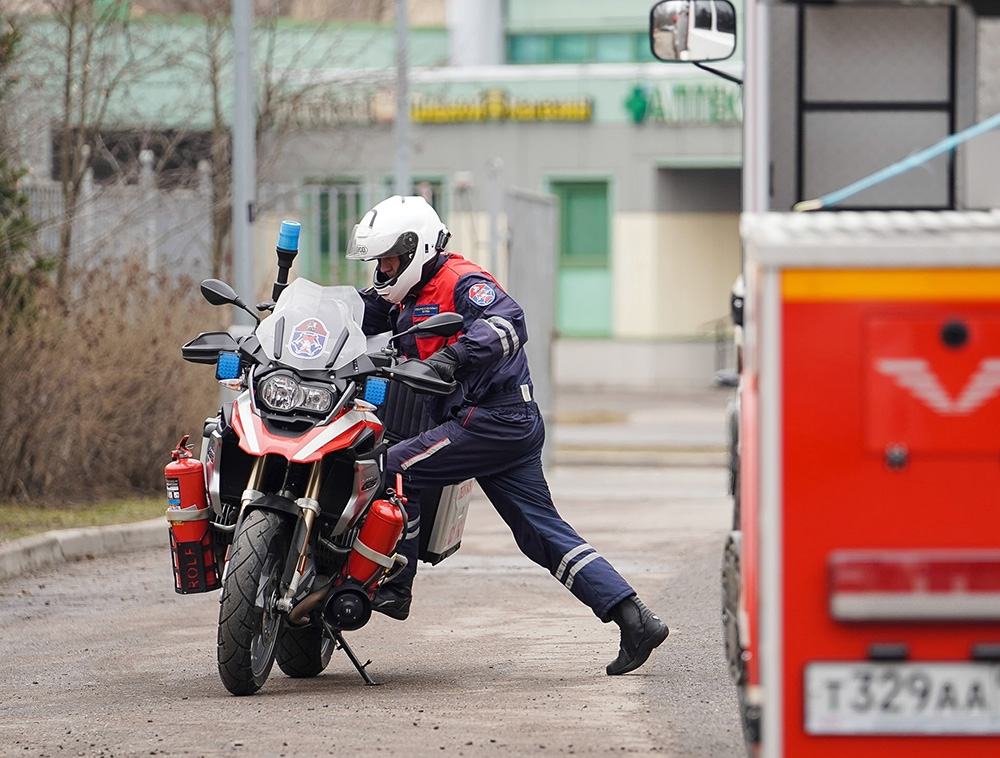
[(353, 254), (373, 248)]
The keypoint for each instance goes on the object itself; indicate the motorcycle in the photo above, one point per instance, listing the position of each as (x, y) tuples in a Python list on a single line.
[(286, 510)]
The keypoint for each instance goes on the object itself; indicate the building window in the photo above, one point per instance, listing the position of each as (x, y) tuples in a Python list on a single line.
[(335, 208), (529, 48), (614, 48), (645, 51), (571, 48), (611, 47), (115, 155)]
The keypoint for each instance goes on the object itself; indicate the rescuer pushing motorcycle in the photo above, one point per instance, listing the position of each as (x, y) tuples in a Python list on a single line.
[(490, 428)]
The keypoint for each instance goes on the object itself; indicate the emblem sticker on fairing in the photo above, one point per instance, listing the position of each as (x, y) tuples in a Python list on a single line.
[(482, 294), (308, 338)]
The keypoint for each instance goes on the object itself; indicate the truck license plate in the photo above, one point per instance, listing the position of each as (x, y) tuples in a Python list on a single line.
[(902, 698)]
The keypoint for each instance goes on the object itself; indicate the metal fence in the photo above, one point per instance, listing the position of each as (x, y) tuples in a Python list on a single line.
[(171, 229), (531, 280), (329, 213)]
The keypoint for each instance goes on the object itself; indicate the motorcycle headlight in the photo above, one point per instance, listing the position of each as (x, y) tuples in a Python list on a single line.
[(281, 392), (316, 399), (278, 392)]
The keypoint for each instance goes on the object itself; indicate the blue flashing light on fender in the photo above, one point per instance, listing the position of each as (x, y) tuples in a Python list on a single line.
[(228, 366), (375, 390)]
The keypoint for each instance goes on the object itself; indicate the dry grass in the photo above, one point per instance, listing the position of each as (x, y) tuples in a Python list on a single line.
[(93, 391), (21, 520)]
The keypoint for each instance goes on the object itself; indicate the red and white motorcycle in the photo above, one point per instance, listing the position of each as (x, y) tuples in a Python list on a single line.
[(286, 509)]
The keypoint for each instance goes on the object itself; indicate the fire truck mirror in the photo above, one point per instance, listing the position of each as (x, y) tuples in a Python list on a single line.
[(693, 32)]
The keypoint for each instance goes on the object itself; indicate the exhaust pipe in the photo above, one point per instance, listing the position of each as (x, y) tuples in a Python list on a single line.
[(300, 613)]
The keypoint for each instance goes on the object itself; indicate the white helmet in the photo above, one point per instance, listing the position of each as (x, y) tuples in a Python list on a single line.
[(400, 226)]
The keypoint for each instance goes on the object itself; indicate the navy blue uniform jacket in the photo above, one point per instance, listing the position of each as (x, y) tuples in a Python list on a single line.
[(493, 363)]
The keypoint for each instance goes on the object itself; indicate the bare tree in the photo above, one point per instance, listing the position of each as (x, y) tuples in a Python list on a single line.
[(214, 56), (278, 93), (96, 58), (16, 229), (98, 55)]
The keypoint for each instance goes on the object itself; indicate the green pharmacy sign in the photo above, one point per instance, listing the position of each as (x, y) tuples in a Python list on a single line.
[(685, 103)]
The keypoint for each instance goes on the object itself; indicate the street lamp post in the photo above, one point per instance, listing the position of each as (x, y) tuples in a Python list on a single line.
[(401, 131), (244, 157)]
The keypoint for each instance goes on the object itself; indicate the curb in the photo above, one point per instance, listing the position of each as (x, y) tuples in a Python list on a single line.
[(666, 458), (63, 545)]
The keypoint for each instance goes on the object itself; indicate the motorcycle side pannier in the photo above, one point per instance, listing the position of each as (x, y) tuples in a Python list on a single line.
[(443, 510), (191, 548)]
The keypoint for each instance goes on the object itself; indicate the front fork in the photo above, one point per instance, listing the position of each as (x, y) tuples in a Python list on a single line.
[(251, 493), (309, 510)]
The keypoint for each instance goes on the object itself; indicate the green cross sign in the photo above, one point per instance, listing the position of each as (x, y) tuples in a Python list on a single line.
[(636, 104)]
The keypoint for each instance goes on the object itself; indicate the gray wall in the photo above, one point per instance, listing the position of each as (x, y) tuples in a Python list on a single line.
[(626, 154)]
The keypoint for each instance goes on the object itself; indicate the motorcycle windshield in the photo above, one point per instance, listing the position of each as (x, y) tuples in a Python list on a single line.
[(308, 323)]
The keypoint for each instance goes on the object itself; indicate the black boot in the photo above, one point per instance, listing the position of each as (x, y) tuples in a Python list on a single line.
[(393, 600), (642, 631)]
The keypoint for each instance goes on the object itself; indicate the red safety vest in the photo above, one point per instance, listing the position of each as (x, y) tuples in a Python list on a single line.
[(440, 291)]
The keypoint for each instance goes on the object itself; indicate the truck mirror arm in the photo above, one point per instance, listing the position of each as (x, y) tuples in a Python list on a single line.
[(723, 74)]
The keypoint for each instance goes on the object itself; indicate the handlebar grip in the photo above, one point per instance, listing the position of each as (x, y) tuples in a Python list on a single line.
[(420, 377)]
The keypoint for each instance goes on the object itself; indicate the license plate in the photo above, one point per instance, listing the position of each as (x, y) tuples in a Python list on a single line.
[(902, 698)]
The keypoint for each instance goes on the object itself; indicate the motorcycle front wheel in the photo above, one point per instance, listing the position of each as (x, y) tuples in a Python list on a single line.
[(249, 623)]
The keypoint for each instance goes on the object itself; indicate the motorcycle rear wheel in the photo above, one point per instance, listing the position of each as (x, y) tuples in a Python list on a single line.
[(304, 652), (249, 623)]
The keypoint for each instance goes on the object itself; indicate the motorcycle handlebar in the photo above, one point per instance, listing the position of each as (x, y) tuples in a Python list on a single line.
[(419, 377)]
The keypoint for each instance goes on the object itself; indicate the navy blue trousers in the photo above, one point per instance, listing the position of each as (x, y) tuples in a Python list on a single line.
[(501, 448)]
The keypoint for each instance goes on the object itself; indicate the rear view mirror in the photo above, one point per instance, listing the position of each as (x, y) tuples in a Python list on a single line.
[(441, 324), (692, 31), (218, 293)]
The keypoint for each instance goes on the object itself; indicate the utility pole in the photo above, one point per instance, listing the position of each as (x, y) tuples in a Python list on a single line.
[(495, 203), (244, 157), (401, 128)]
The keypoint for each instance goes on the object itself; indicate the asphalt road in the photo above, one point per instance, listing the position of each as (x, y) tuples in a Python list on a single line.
[(102, 658)]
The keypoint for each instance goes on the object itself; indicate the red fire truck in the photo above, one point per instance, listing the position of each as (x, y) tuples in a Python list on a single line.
[(862, 589), (861, 581)]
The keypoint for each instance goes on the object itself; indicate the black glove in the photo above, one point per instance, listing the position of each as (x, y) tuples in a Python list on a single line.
[(444, 362)]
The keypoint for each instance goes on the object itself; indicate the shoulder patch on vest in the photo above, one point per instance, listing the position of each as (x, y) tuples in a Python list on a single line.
[(482, 294)]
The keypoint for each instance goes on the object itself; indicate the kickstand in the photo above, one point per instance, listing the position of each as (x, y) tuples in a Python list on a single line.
[(339, 637)]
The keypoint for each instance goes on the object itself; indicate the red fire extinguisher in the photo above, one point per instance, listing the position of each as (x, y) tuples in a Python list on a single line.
[(378, 537), (191, 545)]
